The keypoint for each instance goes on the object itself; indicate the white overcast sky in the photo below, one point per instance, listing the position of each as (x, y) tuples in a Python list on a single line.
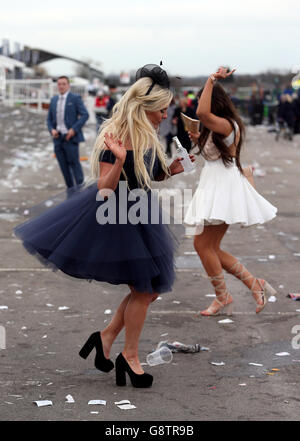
[(192, 37)]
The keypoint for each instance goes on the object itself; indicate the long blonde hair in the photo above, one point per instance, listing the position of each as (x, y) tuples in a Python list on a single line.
[(129, 123)]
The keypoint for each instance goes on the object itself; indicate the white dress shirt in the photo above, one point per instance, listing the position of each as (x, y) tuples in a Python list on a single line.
[(60, 113)]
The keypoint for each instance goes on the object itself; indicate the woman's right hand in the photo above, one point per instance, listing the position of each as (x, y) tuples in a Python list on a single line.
[(115, 146), (194, 137), (222, 73)]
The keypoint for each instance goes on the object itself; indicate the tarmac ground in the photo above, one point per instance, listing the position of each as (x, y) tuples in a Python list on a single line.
[(46, 317)]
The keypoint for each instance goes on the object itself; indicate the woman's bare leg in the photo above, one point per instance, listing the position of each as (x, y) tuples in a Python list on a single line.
[(109, 334), (206, 245), (134, 318), (131, 313), (232, 265)]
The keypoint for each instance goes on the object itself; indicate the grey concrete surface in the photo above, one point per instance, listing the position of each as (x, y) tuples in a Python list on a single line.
[(41, 359)]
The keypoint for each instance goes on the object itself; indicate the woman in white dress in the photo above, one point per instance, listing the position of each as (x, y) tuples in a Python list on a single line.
[(224, 195)]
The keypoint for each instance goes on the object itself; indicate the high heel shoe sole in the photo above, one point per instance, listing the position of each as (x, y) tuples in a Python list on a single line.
[(91, 343)]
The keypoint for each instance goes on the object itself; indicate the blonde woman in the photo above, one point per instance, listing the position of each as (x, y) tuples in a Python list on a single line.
[(76, 238)]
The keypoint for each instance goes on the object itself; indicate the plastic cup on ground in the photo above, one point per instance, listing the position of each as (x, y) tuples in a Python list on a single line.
[(160, 356)]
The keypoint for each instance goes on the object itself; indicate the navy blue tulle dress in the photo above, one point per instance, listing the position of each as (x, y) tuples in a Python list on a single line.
[(70, 238)]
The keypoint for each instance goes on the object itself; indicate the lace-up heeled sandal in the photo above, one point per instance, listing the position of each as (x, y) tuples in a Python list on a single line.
[(223, 303), (260, 295)]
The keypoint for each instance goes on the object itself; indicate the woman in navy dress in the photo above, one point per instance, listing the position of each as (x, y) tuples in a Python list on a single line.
[(89, 237)]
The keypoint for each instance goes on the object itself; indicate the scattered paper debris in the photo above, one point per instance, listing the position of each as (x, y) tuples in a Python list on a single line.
[(107, 311), (272, 299), (271, 257), (163, 335), (126, 406), (101, 402), (177, 302), (122, 402), (255, 364), (282, 354), (3, 307), (70, 399), (210, 295), (215, 363), (42, 403), (259, 172), (63, 308), (19, 291), (225, 321)]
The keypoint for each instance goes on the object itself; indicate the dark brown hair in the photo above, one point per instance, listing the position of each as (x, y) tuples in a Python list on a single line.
[(222, 106), (64, 77)]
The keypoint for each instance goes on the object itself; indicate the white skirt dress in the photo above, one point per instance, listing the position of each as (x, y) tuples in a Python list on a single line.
[(225, 195)]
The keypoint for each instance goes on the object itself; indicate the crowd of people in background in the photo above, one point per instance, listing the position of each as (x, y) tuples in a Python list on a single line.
[(279, 109), (289, 111), (104, 103)]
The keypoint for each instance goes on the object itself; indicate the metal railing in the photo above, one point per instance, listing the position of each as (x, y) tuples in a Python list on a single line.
[(37, 93)]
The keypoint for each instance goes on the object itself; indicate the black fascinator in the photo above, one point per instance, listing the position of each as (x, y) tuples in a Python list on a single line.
[(156, 73)]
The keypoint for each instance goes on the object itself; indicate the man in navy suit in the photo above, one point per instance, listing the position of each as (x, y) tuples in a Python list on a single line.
[(66, 117)]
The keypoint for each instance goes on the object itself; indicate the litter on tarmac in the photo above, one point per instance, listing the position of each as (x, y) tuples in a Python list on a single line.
[(41, 403)]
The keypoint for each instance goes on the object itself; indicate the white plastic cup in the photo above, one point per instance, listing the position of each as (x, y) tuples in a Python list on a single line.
[(160, 356)]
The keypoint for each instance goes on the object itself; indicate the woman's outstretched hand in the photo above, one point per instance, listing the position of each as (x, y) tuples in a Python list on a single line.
[(115, 146), (176, 166), (222, 72)]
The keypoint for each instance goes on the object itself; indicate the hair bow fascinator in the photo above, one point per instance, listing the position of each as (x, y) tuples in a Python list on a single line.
[(156, 73)]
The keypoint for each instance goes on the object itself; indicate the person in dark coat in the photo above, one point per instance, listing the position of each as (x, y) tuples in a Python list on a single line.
[(296, 104), (182, 135), (66, 117)]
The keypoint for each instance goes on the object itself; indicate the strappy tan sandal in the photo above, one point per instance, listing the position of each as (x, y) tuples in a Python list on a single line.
[(260, 295), (219, 306)]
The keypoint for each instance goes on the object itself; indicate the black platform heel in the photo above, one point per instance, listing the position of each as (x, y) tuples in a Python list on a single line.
[(137, 380), (94, 341)]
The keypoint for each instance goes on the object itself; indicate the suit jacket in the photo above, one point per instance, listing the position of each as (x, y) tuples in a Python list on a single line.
[(75, 115)]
